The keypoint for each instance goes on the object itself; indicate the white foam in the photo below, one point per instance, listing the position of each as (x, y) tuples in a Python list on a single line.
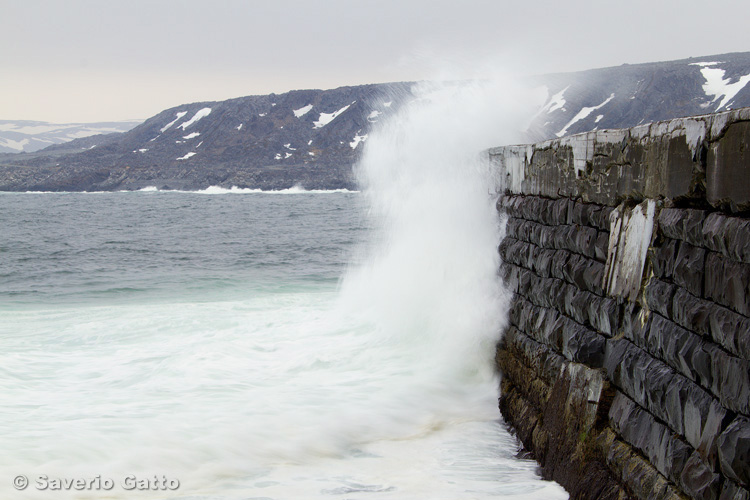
[(192, 135), (189, 155)]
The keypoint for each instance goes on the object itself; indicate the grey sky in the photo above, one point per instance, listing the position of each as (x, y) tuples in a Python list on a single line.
[(88, 60)]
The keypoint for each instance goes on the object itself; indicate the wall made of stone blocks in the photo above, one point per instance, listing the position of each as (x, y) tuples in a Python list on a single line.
[(626, 365)]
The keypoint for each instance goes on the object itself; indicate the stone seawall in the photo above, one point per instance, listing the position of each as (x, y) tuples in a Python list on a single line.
[(626, 365)]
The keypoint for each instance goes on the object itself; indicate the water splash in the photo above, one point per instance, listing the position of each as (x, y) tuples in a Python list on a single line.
[(429, 275)]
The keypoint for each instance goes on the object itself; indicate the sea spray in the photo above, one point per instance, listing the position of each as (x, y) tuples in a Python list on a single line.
[(429, 274), (235, 364)]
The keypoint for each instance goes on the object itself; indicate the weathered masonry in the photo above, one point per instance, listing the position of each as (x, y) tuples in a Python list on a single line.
[(626, 365)]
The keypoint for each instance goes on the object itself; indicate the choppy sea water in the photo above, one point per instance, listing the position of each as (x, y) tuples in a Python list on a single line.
[(205, 338), (245, 345)]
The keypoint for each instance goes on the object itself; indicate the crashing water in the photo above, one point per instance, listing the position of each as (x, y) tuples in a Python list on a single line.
[(255, 345)]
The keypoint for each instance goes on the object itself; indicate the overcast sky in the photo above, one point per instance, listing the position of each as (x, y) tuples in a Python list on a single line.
[(98, 60)]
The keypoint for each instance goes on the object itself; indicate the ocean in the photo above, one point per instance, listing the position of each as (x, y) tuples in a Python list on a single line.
[(236, 344)]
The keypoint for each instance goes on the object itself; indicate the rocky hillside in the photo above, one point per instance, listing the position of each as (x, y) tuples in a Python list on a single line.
[(306, 137), (313, 137), (629, 95)]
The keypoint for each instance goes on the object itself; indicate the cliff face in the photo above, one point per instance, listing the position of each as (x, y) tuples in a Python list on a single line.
[(313, 137), (626, 368)]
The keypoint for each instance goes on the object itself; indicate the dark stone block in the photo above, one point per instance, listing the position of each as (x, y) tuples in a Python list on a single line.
[(560, 238), (593, 275), (738, 239), (659, 297), (559, 262), (724, 326), (691, 312), (700, 359), (576, 303), (636, 322), (698, 480), (524, 281), (615, 352), (547, 236), (670, 343), (682, 224), (515, 310), (715, 233), (688, 268), (731, 330), (543, 263), (600, 219), (732, 491), (727, 169), (663, 258), (583, 345), (559, 210), (514, 228), (728, 283), (637, 427), (734, 450), (581, 213), (730, 379), (584, 241), (604, 314)]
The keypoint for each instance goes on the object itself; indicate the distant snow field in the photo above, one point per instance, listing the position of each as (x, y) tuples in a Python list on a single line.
[(27, 136)]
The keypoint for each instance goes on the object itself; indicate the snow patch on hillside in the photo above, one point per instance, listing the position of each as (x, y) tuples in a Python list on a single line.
[(357, 139), (719, 87), (178, 115), (583, 114), (302, 111), (202, 113), (326, 118)]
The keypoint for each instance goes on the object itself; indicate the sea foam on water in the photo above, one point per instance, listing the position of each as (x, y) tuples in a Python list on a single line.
[(238, 365)]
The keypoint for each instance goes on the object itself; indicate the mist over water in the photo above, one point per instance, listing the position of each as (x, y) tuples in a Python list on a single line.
[(311, 345)]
